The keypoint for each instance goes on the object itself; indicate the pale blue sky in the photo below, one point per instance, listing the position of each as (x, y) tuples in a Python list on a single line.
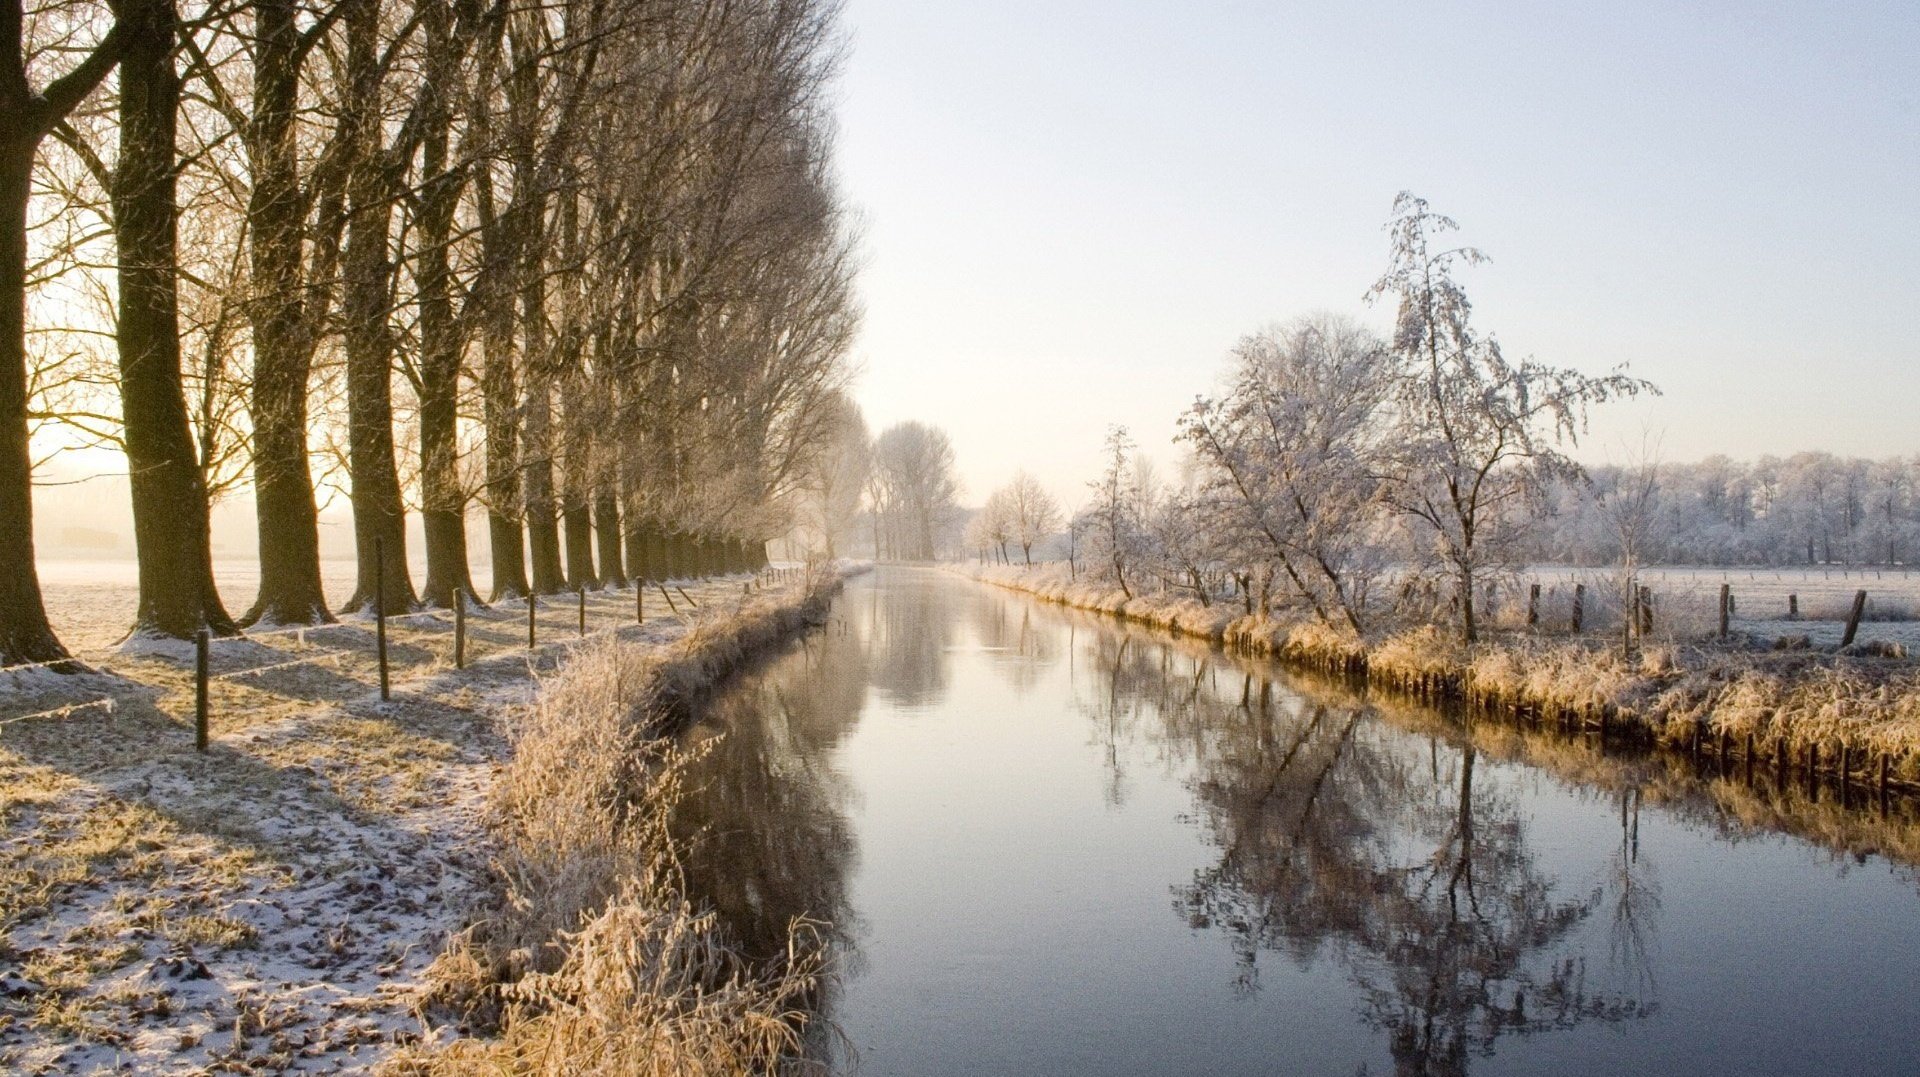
[(1073, 209)]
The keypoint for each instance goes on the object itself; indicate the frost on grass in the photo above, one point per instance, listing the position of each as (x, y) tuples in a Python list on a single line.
[(590, 957), (274, 905), (1671, 684)]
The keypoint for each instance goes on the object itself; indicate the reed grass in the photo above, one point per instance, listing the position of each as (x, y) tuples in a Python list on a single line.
[(1848, 710), (591, 957)]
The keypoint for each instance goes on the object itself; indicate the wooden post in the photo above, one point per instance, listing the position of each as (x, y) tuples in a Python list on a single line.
[(459, 628), (1579, 605), (1853, 618), (639, 602), (1793, 607), (669, 598), (530, 621), (201, 639), (1533, 606), (685, 595), (583, 611), (380, 611), (1646, 612), (1726, 608)]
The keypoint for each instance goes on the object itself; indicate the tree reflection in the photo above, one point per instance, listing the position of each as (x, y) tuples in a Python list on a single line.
[(765, 823), (1340, 838), (908, 630), (1005, 627)]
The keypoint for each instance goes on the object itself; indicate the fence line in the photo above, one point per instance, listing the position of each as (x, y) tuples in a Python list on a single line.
[(458, 625)]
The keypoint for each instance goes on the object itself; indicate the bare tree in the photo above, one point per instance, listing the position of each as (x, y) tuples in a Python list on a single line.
[(913, 466), (1477, 436), (1033, 512)]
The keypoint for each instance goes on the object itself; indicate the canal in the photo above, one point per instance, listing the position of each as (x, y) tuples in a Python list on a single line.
[(1048, 842)]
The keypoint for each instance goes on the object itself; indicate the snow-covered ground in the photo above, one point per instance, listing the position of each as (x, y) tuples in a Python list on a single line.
[(91, 602), (269, 906), (1687, 600)]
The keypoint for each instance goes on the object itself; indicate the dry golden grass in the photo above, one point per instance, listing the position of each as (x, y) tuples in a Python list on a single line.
[(593, 959), (1868, 705)]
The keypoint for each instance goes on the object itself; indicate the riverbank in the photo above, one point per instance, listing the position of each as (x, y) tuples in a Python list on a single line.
[(1854, 720), (285, 901)]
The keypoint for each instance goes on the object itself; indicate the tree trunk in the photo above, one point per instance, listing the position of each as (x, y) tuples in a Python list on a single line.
[(640, 566), (606, 522), (499, 388), (170, 508), (443, 502), (379, 516), (543, 529), (25, 635), (1469, 627), (576, 516), (577, 520), (288, 523)]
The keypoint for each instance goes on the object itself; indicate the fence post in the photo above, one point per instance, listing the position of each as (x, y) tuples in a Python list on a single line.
[(1853, 618), (639, 602), (200, 642), (530, 621), (1646, 612), (1793, 607), (583, 611), (668, 597), (1533, 605), (459, 628), (1579, 605), (1726, 608), (380, 610)]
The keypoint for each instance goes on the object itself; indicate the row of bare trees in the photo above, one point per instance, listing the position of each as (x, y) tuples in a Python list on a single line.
[(578, 263)]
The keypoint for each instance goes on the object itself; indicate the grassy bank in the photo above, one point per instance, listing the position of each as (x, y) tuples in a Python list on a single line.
[(285, 900), (1849, 719), (589, 957)]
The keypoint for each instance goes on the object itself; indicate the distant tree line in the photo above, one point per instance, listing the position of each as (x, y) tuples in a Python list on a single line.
[(577, 263), (1811, 508)]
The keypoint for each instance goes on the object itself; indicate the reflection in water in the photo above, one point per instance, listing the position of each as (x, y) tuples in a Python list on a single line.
[(765, 826), (1415, 878), (909, 630), (990, 801)]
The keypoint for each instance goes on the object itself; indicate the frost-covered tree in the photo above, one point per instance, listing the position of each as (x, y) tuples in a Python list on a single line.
[(1476, 436), (997, 523), (1032, 513), (834, 477), (914, 488), (1112, 521), (1290, 453)]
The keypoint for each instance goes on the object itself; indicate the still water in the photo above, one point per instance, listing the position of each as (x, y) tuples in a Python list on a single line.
[(1052, 844)]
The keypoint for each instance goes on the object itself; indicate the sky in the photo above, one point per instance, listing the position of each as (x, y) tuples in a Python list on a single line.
[(1072, 210)]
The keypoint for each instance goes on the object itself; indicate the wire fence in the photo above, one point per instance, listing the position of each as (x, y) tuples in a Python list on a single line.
[(453, 626)]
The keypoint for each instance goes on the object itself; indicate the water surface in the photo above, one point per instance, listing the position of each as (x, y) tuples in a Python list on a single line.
[(1053, 844)]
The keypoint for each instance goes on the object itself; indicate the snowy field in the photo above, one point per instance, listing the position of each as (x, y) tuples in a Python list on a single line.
[(91, 603), (1687, 600)]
